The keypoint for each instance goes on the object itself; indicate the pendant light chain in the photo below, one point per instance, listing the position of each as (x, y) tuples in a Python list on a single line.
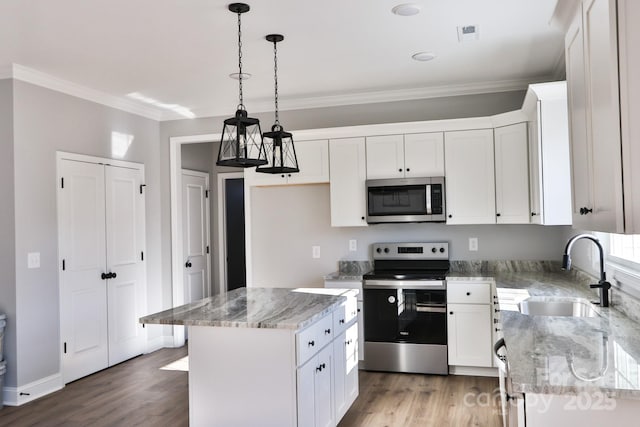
[(275, 77), (241, 105)]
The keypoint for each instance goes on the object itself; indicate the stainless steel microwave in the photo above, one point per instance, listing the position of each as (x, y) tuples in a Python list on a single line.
[(405, 200)]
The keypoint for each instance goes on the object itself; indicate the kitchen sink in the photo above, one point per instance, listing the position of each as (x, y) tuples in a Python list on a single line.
[(554, 306)]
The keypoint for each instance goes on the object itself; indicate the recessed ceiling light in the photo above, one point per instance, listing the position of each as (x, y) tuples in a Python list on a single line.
[(468, 32), (407, 9), (236, 76), (423, 56)]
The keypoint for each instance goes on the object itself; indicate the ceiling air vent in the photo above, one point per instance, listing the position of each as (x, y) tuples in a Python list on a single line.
[(468, 32)]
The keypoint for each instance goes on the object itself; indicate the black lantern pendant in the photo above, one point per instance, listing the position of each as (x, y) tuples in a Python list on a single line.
[(278, 144), (241, 143)]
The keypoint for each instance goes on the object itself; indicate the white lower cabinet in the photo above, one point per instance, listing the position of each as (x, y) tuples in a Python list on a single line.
[(314, 391), (345, 363), (469, 337)]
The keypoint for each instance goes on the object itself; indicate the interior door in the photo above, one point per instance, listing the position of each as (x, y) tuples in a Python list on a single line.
[(195, 235), (125, 254), (83, 305)]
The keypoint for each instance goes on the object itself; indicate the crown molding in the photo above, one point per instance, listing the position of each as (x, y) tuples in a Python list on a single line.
[(6, 72), (38, 78), (323, 101)]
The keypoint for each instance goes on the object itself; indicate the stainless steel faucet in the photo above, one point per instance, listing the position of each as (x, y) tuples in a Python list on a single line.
[(602, 284)]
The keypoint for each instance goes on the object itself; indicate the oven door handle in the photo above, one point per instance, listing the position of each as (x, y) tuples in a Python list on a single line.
[(405, 284), (430, 309)]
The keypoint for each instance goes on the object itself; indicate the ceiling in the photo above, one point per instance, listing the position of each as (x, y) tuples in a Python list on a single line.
[(335, 52)]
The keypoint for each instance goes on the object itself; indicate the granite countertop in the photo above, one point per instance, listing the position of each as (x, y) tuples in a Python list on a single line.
[(567, 355), (276, 308)]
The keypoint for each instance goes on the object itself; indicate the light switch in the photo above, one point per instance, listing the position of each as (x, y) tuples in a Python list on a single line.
[(473, 244), (315, 251), (353, 245), (33, 260)]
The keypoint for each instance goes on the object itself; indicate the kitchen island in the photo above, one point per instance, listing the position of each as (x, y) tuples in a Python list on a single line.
[(270, 357)]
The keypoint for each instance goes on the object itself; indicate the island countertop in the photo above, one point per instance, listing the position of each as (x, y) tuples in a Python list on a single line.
[(567, 355), (277, 308)]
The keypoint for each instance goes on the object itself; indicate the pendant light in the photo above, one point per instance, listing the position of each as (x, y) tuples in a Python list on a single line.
[(241, 143), (278, 144)]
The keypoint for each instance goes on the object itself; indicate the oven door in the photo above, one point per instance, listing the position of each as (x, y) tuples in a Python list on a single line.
[(402, 315)]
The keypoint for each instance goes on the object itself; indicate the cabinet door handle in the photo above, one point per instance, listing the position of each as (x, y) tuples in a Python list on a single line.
[(408, 170), (312, 343), (451, 312), (468, 293), (533, 214), (188, 264), (327, 331), (341, 321), (104, 276), (450, 216), (497, 214), (113, 275), (399, 170), (498, 329)]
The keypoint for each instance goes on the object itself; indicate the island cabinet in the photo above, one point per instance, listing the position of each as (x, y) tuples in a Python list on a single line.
[(270, 357)]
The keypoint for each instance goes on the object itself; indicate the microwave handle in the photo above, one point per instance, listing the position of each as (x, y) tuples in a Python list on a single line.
[(428, 197)]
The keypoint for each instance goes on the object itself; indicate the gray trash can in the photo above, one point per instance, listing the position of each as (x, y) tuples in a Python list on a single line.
[(3, 369), (3, 323)]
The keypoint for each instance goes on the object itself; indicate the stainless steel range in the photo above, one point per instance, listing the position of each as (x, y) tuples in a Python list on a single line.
[(405, 308)]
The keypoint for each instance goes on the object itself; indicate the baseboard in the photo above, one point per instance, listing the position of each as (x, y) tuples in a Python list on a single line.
[(163, 341), (16, 396), (473, 371)]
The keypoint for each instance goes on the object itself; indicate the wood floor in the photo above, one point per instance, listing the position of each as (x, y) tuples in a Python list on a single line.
[(138, 393)]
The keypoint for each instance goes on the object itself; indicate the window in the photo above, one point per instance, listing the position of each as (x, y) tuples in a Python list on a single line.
[(625, 247)]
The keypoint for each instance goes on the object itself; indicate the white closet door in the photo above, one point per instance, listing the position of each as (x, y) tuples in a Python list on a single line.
[(83, 305), (195, 235), (125, 247)]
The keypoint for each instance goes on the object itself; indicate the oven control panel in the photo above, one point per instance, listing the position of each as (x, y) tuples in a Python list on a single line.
[(408, 251)]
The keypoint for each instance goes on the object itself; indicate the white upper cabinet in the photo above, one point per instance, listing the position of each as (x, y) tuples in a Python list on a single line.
[(385, 156), (512, 174), (594, 112), (549, 166), (424, 154), (347, 182), (313, 161), (469, 174), (405, 156)]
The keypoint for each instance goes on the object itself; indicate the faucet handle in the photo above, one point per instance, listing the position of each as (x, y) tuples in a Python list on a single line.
[(601, 284)]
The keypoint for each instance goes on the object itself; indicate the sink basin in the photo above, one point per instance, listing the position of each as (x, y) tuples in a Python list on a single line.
[(570, 307)]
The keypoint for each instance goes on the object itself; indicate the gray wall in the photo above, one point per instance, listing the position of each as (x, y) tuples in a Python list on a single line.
[(302, 215), (7, 229), (46, 121)]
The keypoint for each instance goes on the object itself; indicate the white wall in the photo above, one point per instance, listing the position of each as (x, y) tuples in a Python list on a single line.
[(7, 227), (287, 221), (46, 121)]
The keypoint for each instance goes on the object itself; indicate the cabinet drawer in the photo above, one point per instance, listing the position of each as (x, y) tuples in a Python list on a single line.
[(344, 314), (469, 292), (312, 339)]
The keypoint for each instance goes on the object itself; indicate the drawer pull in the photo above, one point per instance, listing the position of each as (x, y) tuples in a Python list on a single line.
[(327, 331), (341, 321), (498, 329), (312, 343)]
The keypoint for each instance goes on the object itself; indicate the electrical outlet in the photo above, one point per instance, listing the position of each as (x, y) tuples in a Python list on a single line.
[(353, 245), (315, 252), (473, 244), (33, 260)]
